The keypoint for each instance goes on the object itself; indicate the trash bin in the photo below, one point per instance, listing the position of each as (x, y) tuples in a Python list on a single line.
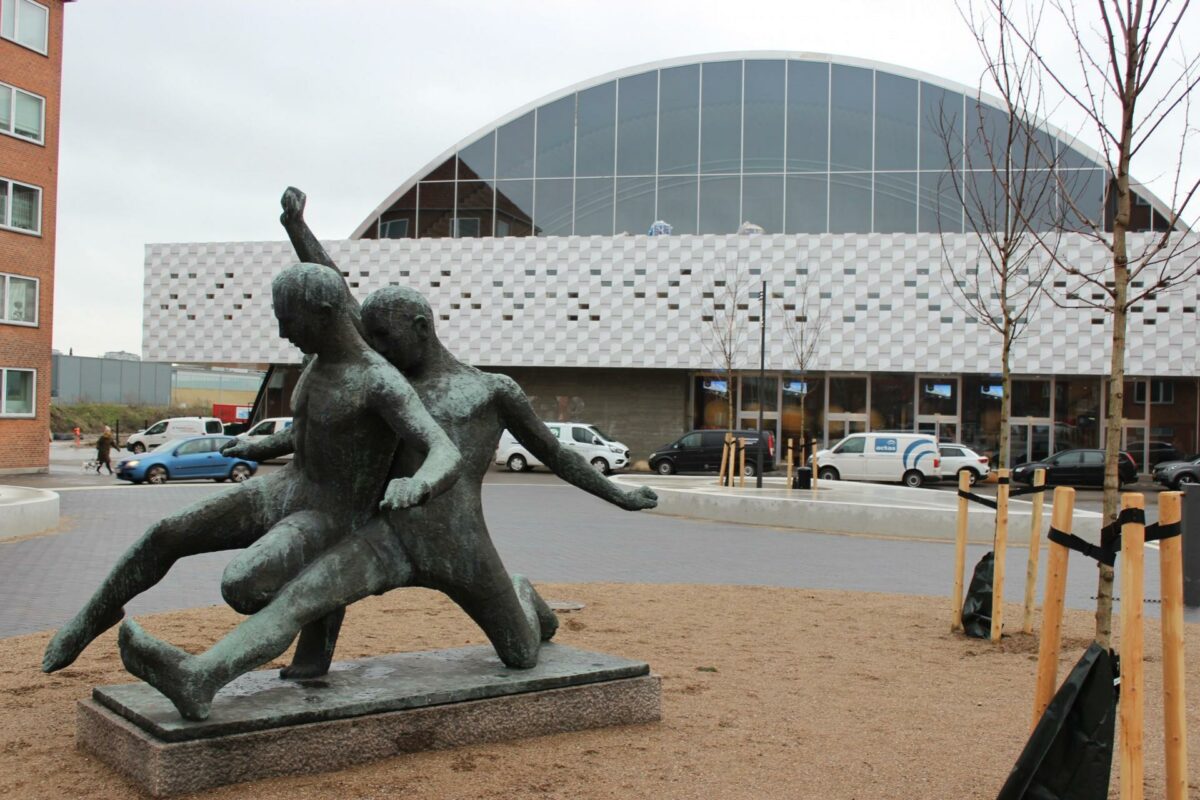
[(1190, 531), (802, 478)]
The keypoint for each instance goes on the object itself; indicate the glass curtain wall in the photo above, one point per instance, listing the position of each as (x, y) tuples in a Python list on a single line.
[(793, 146)]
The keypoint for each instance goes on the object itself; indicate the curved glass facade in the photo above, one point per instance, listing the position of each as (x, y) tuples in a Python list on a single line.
[(794, 146)]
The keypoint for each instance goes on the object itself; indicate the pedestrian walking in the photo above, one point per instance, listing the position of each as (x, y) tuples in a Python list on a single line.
[(104, 447)]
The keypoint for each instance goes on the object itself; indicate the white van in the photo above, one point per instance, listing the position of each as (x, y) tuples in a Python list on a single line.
[(908, 458), (600, 451), (166, 430), (265, 428)]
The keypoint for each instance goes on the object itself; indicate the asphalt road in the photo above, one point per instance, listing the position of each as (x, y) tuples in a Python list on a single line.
[(542, 527)]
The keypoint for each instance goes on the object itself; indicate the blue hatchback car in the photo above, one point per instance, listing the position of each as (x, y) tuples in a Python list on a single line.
[(184, 459)]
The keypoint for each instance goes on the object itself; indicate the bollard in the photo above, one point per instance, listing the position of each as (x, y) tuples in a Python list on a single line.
[(1191, 545), (960, 552), (1061, 518), (1001, 549), (1035, 543), (1170, 561), (1131, 712)]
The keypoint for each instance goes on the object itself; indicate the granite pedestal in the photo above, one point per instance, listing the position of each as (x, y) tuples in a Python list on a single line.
[(262, 726)]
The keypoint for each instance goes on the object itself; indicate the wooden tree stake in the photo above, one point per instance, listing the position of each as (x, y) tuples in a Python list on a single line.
[(1061, 518), (1000, 549), (814, 466), (960, 553), (1133, 701), (741, 463), (1035, 543), (789, 463), (1170, 559), (724, 460)]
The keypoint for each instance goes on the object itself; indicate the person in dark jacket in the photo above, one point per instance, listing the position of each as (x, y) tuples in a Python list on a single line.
[(104, 448)]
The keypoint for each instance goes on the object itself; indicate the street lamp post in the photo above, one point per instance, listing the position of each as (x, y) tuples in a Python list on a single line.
[(762, 380)]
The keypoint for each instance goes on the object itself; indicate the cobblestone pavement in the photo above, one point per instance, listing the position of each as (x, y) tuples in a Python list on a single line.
[(542, 527)]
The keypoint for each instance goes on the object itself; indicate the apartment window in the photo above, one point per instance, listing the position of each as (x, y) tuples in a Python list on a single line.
[(18, 390), (20, 206), (393, 229), (22, 113), (25, 22), (18, 300)]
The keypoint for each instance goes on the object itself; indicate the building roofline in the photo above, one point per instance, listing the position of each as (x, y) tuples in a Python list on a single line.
[(737, 55)]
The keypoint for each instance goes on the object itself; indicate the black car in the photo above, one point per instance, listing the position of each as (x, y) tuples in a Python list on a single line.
[(700, 451), (1083, 467), (1159, 453)]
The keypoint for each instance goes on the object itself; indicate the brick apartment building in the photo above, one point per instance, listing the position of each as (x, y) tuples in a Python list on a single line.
[(30, 88)]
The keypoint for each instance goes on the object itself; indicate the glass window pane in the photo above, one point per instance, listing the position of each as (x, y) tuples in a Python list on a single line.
[(895, 202), (762, 201), (8, 19), (1082, 195), (755, 392), (720, 204), (984, 201), (891, 402), (677, 203), (3, 290), (21, 305), (939, 396), (25, 212), (766, 104), (847, 395), (850, 123), (436, 199), (403, 210), (556, 139), (895, 122), (18, 393), (940, 210), (1035, 192), (28, 116), (721, 117), (31, 25), (596, 127), (475, 199), (850, 202), (987, 131), (1070, 158), (553, 207), (637, 121), (514, 148), (635, 205), (1076, 413), (478, 160), (6, 102), (514, 208), (1030, 398), (5, 187), (679, 120), (807, 197), (593, 207), (807, 116), (941, 127)]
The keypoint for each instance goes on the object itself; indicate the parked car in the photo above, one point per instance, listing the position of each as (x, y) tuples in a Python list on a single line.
[(909, 458), (1174, 474), (589, 441), (1081, 467), (166, 430), (700, 451), (185, 459), (958, 458), (1159, 452), (265, 428)]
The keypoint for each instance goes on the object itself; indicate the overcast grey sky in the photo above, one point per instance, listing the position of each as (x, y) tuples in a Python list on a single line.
[(184, 121)]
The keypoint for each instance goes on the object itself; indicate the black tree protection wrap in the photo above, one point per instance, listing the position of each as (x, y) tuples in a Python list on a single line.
[(1069, 754), (1110, 536), (977, 607), (977, 498), (1028, 490)]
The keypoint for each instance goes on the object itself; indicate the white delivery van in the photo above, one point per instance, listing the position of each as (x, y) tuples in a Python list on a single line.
[(601, 452), (265, 428), (908, 458), (166, 430)]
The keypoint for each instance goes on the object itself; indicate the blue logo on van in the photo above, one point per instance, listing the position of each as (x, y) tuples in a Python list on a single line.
[(885, 445)]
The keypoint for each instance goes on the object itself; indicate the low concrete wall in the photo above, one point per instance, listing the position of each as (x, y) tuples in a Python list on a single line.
[(24, 511), (847, 507)]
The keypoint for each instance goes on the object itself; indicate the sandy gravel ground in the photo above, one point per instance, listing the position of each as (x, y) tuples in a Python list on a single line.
[(767, 693)]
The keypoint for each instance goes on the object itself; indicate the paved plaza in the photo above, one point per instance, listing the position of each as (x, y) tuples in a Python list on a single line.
[(543, 528)]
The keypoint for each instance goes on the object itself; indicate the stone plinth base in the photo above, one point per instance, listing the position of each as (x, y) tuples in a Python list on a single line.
[(362, 711)]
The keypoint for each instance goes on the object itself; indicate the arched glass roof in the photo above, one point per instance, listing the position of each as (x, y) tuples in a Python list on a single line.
[(792, 143)]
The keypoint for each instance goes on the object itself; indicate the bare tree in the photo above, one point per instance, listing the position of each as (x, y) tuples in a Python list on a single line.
[(803, 324), (725, 311), (999, 170), (1131, 79)]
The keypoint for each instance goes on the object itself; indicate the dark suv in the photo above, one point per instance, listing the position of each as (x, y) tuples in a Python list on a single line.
[(1076, 468), (700, 451)]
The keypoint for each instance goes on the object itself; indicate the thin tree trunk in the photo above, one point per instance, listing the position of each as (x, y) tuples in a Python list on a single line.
[(1005, 399)]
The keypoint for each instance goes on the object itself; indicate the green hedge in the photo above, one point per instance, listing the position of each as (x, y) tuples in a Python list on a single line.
[(92, 417)]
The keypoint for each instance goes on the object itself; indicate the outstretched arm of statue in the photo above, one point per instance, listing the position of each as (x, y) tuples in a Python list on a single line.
[(523, 423), (395, 400), (307, 247), (276, 445)]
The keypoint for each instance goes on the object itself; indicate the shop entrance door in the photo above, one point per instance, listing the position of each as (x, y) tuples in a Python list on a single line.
[(1135, 442), (1029, 440), (943, 430), (938, 407), (842, 425)]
